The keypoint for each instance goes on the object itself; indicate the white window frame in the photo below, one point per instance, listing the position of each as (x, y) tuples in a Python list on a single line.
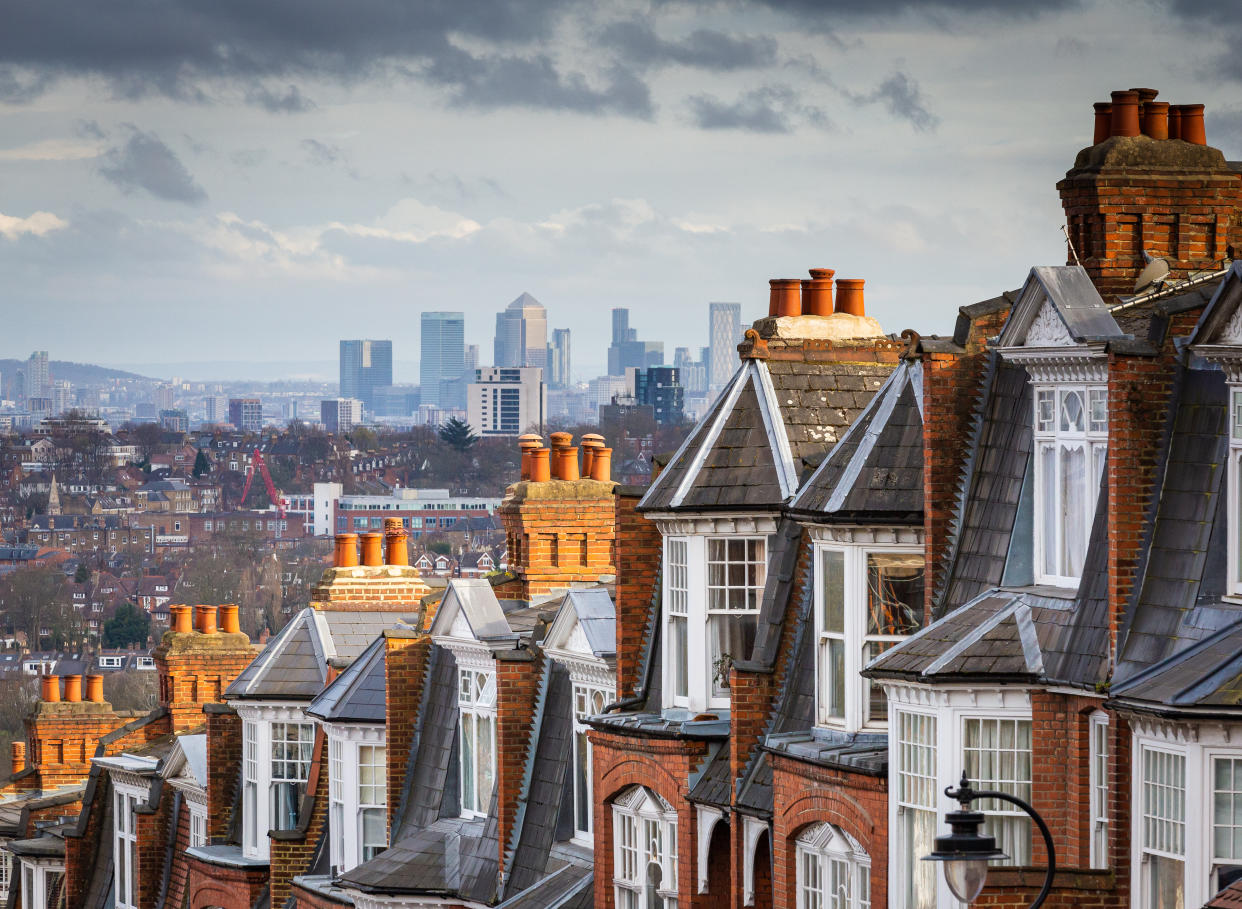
[(687, 599), (198, 824), (1148, 817), (644, 834), (6, 869), (1235, 490), (853, 637), (125, 844), (824, 852), (476, 712), (258, 779), (949, 708), (1099, 755), (589, 700), (35, 874), (349, 746), (1051, 436)]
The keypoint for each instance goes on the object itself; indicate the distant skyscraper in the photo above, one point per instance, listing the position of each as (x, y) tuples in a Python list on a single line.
[(365, 366), (442, 364), (621, 330), (558, 359), (246, 414), (724, 331), (522, 334), (216, 408), (506, 402), (340, 415), (38, 376), (472, 361)]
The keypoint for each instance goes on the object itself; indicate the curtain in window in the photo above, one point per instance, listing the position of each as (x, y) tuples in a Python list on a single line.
[(1074, 509)]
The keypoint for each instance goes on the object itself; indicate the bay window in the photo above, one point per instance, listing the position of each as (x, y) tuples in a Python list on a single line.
[(1226, 821), (917, 791), (357, 794), (833, 870), (1071, 442), (476, 701), (1163, 834), (1099, 758), (714, 585), (868, 599), (198, 824), (276, 760), (6, 870), (43, 883), (997, 756), (644, 851), (588, 701)]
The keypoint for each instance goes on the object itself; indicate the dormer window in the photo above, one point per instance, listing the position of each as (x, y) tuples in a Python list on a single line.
[(1071, 442), (1235, 490), (476, 699)]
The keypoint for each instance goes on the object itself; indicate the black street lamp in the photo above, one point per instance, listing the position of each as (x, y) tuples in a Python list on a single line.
[(966, 852)]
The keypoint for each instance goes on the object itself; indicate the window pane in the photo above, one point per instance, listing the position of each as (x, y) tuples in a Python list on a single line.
[(833, 580), (1071, 411), (894, 593), (998, 756), (1048, 532), (835, 663), (1165, 880), (678, 644), (1075, 509), (582, 786), (373, 835), (732, 637), (1227, 808)]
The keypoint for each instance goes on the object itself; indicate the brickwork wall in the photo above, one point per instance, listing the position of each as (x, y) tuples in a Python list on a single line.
[(228, 888), (369, 588), (805, 794), (639, 550), (224, 755), (291, 853), (405, 669), (153, 831), (63, 737), (81, 852), (194, 669), (517, 684), (179, 874), (663, 766), (819, 350)]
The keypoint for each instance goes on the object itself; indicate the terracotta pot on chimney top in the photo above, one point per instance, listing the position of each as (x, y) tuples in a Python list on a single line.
[(569, 464), (206, 619), (395, 550), (817, 293), (850, 296), (540, 466), (73, 688), (50, 690), (183, 619), (591, 443), (527, 443), (372, 549), (1103, 121), (601, 465), (230, 621), (1125, 114), (346, 554), (18, 752), (1156, 119), (94, 689), (784, 297), (561, 440), (1192, 124), (1175, 121)]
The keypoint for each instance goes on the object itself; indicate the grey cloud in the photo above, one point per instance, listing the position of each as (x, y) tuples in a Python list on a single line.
[(90, 129), (825, 11), (1069, 46), (290, 101), (248, 157), (497, 80), (146, 163), (904, 100), (321, 152), (770, 109), (1224, 129), (639, 44)]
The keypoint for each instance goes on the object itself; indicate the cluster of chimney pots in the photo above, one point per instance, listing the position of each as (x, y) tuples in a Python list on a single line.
[(73, 689), (1136, 112), (377, 549), (814, 296), (560, 462)]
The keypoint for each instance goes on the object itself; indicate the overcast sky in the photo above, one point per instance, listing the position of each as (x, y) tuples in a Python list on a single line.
[(253, 180)]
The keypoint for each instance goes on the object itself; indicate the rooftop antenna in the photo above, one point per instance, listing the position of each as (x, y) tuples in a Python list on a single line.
[(1070, 244)]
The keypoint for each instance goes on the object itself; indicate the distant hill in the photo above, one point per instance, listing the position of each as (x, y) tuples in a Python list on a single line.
[(77, 373)]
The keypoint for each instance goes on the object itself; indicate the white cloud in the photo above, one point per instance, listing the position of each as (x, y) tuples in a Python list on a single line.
[(38, 224), (52, 150), (412, 221)]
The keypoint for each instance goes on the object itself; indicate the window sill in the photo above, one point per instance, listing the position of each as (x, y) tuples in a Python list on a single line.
[(227, 856)]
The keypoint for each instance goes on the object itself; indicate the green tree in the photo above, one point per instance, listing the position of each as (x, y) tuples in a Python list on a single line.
[(33, 602), (201, 464), (364, 439), (129, 625), (83, 574), (458, 435)]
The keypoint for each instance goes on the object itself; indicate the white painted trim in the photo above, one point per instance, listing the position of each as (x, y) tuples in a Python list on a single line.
[(737, 524), (752, 829), (877, 424), (708, 817), (774, 423), (585, 670), (857, 535)]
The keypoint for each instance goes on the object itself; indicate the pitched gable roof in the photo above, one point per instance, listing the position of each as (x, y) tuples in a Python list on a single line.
[(585, 624), (470, 611), (1059, 306), (359, 694)]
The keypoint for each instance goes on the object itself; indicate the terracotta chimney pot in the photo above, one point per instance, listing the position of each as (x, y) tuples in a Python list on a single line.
[(526, 444), (94, 689), (346, 553), (1192, 124), (1125, 114), (569, 464), (230, 620), (50, 692), (182, 619), (1156, 119), (18, 752), (395, 550), (540, 466), (850, 296), (601, 465), (73, 688), (1103, 121), (206, 619), (1175, 121), (373, 549), (591, 443), (561, 439), (817, 293), (784, 297)]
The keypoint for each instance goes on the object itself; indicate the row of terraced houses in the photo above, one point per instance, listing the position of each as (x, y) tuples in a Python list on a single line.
[(879, 561)]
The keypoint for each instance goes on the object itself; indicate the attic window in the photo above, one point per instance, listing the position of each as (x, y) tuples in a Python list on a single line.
[(1071, 441), (1235, 490), (476, 699)]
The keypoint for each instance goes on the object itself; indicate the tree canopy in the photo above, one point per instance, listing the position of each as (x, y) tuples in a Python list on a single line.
[(458, 435), (129, 625)]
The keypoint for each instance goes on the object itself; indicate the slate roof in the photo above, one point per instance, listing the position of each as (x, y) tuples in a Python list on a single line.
[(357, 695), (570, 887), (294, 664), (430, 789), (474, 599), (875, 473), (597, 617), (773, 416), (1075, 300), (1183, 573), (1207, 674), (430, 860)]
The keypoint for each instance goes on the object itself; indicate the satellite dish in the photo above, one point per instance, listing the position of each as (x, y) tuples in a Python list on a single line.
[(1154, 272)]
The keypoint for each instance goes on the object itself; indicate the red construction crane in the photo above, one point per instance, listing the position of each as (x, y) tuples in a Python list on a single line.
[(272, 495)]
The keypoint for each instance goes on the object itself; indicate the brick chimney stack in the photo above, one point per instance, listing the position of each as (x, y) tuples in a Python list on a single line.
[(1149, 182), (195, 661)]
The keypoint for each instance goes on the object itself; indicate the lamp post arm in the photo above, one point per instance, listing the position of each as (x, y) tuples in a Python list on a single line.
[(1043, 828)]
